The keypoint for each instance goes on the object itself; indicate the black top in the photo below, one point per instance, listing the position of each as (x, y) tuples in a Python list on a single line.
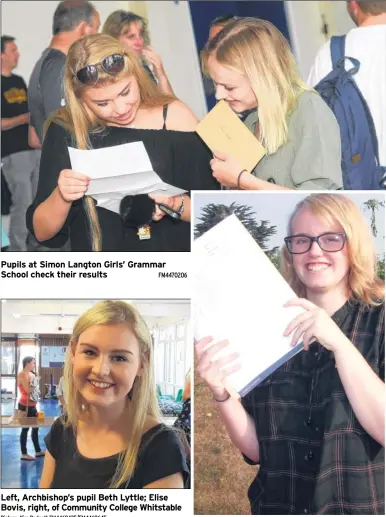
[(13, 104), (161, 454), (315, 457), (179, 158)]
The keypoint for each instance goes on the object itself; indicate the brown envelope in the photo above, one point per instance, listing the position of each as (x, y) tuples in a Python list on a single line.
[(222, 129)]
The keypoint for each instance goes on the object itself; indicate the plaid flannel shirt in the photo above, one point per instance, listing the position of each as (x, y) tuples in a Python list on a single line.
[(315, 457)]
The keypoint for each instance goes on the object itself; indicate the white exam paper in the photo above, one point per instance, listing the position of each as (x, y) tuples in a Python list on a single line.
[(119, 171), (239, 296)]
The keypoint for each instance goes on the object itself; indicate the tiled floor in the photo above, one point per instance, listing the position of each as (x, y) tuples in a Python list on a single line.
[(16, 473)]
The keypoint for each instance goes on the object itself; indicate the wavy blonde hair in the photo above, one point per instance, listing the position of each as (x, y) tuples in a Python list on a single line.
[(143, 400), (79, 120), (258, 51), (363, 283)]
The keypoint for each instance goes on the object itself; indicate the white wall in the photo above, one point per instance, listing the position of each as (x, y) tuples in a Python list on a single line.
[(45, 316), (304, 23), (172, 36), (343, 22)]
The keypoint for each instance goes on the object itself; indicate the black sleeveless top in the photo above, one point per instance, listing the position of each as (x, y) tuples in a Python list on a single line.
[(180, 158), (161, 454)]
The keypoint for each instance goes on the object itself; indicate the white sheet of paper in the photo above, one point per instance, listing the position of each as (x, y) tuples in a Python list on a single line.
[(118, 171), (239, 296)]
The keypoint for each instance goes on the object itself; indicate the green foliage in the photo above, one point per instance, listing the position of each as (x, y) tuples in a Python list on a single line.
[(212, 214), (381, 268), (373, 205)]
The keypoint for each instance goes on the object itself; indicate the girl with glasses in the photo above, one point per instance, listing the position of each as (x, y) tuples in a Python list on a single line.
[(254, 72), (316, 425), (110, 100), (111, 435)]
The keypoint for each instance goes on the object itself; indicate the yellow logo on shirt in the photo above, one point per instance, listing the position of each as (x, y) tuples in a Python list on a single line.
[(15, 95)]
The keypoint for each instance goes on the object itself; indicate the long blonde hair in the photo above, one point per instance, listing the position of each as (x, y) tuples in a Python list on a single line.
[(363, 283), (79, 120), (257, 50), (143, 395)]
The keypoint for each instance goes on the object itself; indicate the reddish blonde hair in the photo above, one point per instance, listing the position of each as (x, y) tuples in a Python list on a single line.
[(363, 281)]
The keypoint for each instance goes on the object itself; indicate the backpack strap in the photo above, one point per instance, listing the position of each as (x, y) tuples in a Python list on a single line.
[(337, 47)]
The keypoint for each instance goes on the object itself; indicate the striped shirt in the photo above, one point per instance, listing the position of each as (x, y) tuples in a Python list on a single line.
[(315, 457)]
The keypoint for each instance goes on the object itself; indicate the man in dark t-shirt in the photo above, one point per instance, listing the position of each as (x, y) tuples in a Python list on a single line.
[(72, 20), (19, 161)]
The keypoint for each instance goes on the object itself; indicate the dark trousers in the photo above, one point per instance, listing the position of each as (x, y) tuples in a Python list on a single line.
[(24, 432)]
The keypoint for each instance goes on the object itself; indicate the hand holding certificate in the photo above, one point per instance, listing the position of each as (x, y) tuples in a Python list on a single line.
[(223, 132), (118, 171), (239, 296)]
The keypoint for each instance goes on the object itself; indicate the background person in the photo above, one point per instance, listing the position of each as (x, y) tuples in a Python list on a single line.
[(132, 32), (73, 19), (367, 43), (60, 394), (253, 69), (112, 436), (19, 161), (318, 421), (27, 402), (218, 23), (111, 108)]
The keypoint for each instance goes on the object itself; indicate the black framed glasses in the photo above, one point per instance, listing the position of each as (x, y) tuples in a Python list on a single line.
[(111, 65), (330, 241)]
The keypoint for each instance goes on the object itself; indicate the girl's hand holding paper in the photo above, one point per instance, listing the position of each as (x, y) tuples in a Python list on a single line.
[(214, 367), (314, 323), (72, 185), (226, 169)]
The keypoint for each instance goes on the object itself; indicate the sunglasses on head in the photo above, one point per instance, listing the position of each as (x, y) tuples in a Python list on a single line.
[(111, 65)]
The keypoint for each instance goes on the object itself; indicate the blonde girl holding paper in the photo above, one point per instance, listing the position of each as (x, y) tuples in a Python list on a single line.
[(254, 71), (110, 100)]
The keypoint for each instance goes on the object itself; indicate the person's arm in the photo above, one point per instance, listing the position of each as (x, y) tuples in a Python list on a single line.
[(238, 423), (173, 481), (58, 188), (155, 59), (174, 203), (318, 155), (229, 172), (180, 117), (364, 389), (48, 471), (62, 401), (322, 65), (33, 139), (10, 123), (50, 216), (250, 182)]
